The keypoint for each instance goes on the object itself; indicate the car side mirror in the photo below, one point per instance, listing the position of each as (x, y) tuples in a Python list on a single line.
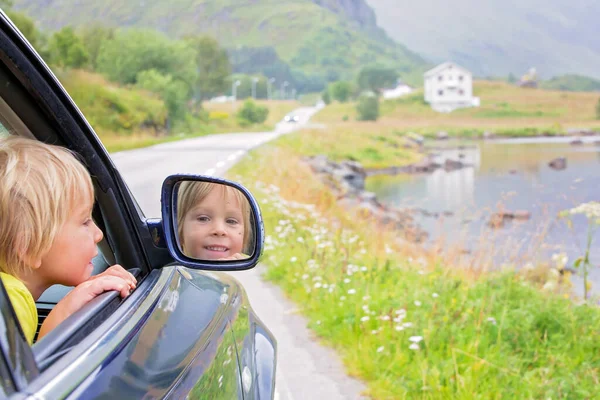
[(211, 223)]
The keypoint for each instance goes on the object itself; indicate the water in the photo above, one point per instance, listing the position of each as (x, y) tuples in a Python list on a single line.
[(511, 174)]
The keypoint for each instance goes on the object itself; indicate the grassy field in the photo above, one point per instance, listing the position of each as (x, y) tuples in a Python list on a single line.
[(372, 149), (222, 115), (408, 323), (126, 118), (505, 109)]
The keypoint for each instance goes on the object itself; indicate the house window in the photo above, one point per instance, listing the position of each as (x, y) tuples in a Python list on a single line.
[(460, 78), (440, 92), (461, 92), (440, 78)]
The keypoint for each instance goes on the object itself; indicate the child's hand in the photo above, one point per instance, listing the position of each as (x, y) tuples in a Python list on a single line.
[(119, 272), (114, 278)]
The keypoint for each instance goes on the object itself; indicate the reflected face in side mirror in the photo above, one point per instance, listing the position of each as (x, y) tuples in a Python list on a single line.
[(214, 221)]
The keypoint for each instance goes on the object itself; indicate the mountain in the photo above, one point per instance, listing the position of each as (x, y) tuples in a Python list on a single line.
[(498, 37), (327, 39)]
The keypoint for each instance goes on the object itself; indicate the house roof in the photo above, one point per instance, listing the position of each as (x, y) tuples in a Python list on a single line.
[(444, 66)]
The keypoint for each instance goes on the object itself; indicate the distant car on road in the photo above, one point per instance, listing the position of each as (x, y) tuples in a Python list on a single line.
[(292, 118)]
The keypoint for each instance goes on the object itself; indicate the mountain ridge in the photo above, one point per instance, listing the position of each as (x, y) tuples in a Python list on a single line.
[(499, 37), (331, 39)]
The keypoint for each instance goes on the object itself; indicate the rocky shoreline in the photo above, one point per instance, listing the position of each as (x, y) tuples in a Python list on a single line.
[(347, 181)]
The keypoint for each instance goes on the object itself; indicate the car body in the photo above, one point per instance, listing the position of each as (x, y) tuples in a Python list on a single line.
[(291, 118), (185, 332)]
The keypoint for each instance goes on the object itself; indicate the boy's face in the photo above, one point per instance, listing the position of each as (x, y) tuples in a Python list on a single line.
[(214, 228), (69, 261)]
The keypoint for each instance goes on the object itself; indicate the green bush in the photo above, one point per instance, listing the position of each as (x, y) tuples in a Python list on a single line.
[(368, 107), (326, 97), (251, 113)]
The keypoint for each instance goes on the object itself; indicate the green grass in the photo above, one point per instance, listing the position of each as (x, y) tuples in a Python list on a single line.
[(484, 335)]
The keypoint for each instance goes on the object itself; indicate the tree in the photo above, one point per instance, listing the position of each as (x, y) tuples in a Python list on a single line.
[(135, 50), (173, 92), (368, 107), (213, 67), (326, 97), (376, 78), (251, 113), (66, 49), (341, 91), (93, 37), (29, 30)]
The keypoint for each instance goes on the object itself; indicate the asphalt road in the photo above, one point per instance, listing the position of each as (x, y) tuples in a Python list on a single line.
[(305, 369)]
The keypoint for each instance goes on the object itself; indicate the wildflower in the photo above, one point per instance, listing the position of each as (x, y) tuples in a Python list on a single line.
[(418, 303), (492, 320), (305, 276), (318, 285), (374, 332), (366, 297), (363, 269), (407, 324), (399, 328), (352, 291), (380, 349), (415, 339), (401, 311), (319, 322), (346, 280), (435, 295), (414, 346), (364, 319), (300, 239), (385, 317), (293, 259), (343, 298)]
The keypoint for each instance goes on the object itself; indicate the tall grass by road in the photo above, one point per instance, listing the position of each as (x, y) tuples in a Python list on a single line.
[(407, 322)]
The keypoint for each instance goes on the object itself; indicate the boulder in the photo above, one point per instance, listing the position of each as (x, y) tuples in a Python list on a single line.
[(577, 142), (558, 163), (452, 165)]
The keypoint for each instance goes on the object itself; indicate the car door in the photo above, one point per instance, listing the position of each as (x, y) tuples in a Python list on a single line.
[(172, 336)]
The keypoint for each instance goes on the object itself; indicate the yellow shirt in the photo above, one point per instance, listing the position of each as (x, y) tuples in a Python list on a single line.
[(23, 304)]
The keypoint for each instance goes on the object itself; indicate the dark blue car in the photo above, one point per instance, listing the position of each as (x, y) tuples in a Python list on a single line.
[(187, 331)]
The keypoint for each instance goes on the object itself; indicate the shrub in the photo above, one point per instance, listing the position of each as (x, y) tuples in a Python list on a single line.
[(368, 107), (326, 96), (251, 113)]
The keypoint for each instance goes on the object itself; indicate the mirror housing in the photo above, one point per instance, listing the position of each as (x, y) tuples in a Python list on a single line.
[(169, 222)]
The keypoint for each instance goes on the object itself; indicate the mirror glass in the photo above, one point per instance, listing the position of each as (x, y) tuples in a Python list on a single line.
[(213, 221)]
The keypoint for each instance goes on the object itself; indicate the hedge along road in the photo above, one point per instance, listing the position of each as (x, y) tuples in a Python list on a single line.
[(305, 369)]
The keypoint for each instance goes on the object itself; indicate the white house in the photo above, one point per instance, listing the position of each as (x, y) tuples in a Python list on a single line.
[(399, 90), (448, 87)]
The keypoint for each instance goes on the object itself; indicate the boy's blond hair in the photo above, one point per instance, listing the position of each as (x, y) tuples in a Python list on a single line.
[(189, 194), (39, 186)]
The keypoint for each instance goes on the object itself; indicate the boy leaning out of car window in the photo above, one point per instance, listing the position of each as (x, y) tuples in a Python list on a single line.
[(47, 235)]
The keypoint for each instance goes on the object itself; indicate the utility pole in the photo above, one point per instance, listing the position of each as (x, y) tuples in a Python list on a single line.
[(254, 80), (283, 86), (269, 83), (234, 86)]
